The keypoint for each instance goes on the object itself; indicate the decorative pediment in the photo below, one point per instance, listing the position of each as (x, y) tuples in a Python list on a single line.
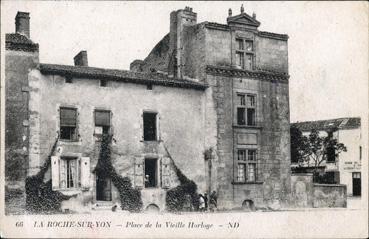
[(243, 20)]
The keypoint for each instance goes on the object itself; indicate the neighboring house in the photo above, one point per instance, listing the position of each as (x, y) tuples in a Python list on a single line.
[(205, 87), (346, 168)]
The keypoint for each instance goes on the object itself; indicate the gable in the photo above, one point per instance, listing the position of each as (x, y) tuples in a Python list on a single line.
[(243, 20)]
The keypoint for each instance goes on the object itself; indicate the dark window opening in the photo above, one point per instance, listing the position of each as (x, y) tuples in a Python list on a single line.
[(69, 80), (360, 152), (103, 83), (68, 123), (331, 155), (149, 123), (102, 122), (149, 87), (103, 189), (251, 117), (150, 173), (241, 116)]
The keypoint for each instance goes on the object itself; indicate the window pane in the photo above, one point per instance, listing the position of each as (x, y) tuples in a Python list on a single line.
[(242, 154), (251, 117), (241, 116), (251, 155), (331, 154), (251, 100), (68, 133), (149, 126), (251, 172), (241, 172), (249, 45), (239, 59), (239, 44), (248, 64), (241, 99), (102, 118), (68, 117)]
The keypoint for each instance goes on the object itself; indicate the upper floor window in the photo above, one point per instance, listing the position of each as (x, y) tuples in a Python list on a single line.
[(150, 127), (102, 122), (68, 123), (246, 109), (244, 53), (246, 165)]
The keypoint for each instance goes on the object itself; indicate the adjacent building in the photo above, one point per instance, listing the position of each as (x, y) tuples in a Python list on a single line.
[(210, 99), (346, 168)]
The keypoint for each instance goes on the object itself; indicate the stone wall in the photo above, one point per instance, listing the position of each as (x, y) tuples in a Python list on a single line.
[(330, 195), (272, 54), (302, 190), (183, 136)]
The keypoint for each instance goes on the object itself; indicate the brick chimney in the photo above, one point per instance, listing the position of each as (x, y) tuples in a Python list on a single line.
[(81, 59), (178, 21), (22, 23)]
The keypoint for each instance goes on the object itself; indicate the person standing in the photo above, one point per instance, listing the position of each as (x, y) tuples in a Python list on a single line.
[(201, 203)]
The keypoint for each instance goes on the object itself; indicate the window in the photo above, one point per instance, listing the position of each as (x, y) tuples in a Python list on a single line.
[(149, 124), (244, 54), (246, 110), (68, 80), (247, 165), (360, 152), (150, 173), (331, 154), (69, 173), (103, 83), (68, 123), (102, 122), (149, 87)]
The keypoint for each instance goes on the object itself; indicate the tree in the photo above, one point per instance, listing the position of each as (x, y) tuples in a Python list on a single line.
[(314, 149)]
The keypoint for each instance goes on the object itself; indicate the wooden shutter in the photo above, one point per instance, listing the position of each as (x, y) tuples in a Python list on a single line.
[(85, 172), (55, 172), (68, 117), (139, 171), (165, 170), (102, 118)]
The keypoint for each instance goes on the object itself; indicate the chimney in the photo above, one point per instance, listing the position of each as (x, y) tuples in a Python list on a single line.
[(81, 59), (178, 21), (22, 23)]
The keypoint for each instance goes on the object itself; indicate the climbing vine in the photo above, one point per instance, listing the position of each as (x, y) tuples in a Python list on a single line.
[(39, 194), (184, 196), (130, 197)]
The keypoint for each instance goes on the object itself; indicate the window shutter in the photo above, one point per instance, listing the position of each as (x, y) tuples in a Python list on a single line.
[(85, 172), (68, 117), (139, 172), (165, 172), (55, 172), (102, 118)]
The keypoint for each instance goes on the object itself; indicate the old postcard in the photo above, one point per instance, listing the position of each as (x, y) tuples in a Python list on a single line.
[(184, 119)]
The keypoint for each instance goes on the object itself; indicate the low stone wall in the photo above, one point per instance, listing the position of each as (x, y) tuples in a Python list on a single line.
[(306, 194), (330, 195)]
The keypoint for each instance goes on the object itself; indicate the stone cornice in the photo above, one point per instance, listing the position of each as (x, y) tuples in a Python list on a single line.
[(21, 47), (260, 75)]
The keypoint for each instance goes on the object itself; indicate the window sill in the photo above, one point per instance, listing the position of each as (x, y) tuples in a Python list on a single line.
[(247, 126), (71, 192), (69, 142), (240, 183)]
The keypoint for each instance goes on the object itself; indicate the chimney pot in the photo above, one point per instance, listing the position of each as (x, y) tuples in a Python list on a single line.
[(229, 12), (81, 59), (22, 23), (242, 9), (254, 15)]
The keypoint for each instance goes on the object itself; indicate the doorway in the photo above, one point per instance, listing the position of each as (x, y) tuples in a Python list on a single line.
[(150, 173), (103, 189), (356, 184)]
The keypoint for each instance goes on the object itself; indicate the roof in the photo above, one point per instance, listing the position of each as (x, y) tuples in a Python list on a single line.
[(119, 75), (19, 42), (340, 123), (258, 74)]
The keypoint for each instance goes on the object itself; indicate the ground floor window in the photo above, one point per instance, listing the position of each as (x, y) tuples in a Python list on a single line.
[(151, 173), (356, 184), (246, 165), (69, 173)]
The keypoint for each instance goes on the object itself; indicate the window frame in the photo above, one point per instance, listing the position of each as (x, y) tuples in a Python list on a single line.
[(110, 121), (246, 161), (157, 137), (244, 52), (76, 136), (77, 180), (246, 107)]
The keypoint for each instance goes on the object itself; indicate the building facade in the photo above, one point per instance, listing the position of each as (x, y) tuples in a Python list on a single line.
[(346, 168), (231, 79)]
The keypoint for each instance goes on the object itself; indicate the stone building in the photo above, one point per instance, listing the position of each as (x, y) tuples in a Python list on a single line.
[(346, 168), (231, 79)]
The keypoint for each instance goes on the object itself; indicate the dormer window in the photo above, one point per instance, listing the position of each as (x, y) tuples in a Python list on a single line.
[(244, 53)]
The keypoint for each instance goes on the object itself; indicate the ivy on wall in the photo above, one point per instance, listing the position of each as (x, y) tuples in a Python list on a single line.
[(130, 197), (39, 194), (184, 197)]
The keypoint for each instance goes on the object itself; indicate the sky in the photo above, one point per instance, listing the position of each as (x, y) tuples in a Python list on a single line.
[(327, 46)]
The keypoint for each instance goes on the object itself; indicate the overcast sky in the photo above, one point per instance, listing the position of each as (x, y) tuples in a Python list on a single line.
[(328, 44)]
